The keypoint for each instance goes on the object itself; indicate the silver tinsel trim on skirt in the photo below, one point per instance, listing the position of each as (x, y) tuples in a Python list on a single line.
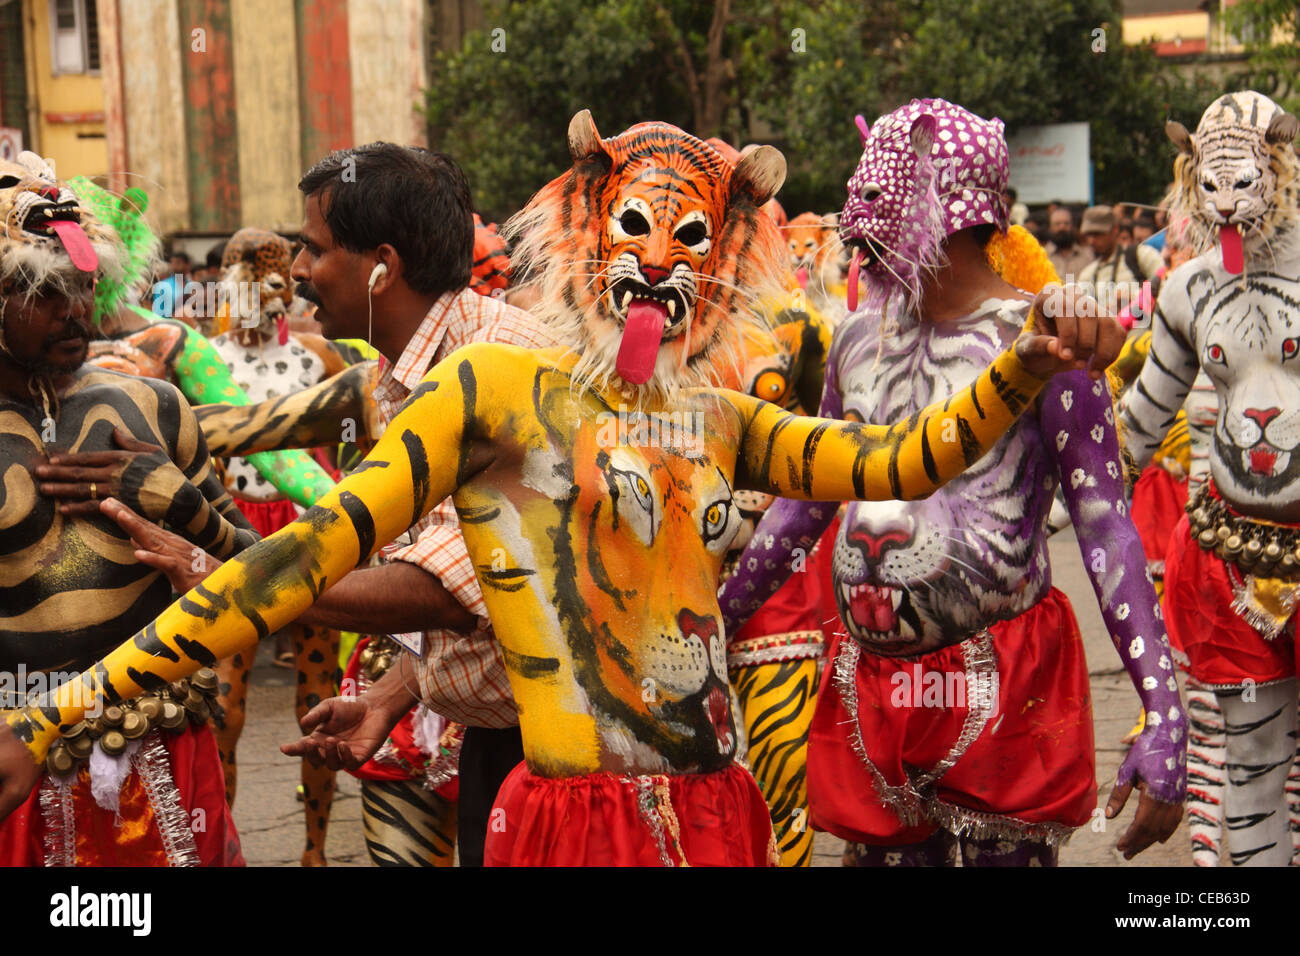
[(913, 802), (154, 767)]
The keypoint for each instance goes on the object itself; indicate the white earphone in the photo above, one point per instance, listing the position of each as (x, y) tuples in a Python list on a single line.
[(375, 274)]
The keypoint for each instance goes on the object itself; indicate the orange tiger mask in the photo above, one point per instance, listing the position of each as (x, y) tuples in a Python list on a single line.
[(648, 252)]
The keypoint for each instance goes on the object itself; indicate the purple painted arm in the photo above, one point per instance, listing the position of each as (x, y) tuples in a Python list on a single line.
[(768, 560), (1078, 425)]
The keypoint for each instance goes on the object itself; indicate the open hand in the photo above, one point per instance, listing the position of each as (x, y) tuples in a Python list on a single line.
[(342, 733), (1154, 822), (184, 564), (1067, 332)]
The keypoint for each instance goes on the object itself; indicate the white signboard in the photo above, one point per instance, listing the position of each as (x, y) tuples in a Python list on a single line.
[(1051, 163), (11, 143)]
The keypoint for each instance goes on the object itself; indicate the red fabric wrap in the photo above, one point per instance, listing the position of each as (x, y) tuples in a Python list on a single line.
[(131, 837), (267, 517), (1158, 505), (1033, 760), (796, 606), (596, 820), (1214, 643)]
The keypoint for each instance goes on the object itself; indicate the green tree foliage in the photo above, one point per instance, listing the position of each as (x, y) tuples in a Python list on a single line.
[(1270, 32), (794, 74)]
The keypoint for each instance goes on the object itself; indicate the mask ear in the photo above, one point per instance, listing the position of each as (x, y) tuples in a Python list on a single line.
[(759, 174), (864, 130), (922, 134), (1282, 129), (1179, 136), (584, 139)]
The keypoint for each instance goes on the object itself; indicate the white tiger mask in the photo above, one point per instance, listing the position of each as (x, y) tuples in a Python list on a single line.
[(1236, 177)]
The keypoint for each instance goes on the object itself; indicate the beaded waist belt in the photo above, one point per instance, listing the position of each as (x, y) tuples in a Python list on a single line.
[(1252, 545), (187, 701)]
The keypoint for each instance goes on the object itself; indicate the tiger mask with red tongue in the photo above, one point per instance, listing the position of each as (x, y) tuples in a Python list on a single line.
[(648, 253), (50, 242), (1237, 178)]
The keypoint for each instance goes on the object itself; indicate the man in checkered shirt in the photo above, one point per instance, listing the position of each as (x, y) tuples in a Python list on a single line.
[(408, 211)]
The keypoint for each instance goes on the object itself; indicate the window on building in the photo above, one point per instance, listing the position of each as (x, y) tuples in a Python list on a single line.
[(74, 36)]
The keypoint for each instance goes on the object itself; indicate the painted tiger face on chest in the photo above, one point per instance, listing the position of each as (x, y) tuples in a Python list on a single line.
[(1247, 335), (642, 517), (910, 577)]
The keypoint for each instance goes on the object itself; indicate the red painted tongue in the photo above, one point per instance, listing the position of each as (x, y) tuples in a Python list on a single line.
[(1230, 244), (802, 275), (873, 609), (854, 265), (642, 333), (74, 239)]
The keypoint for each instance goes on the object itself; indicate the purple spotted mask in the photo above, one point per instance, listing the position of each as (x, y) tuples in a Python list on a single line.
[(927, 170)]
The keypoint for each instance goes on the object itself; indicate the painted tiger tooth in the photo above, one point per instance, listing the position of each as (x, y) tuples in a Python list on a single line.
[(896, 597), (672, 308), (627, 299)]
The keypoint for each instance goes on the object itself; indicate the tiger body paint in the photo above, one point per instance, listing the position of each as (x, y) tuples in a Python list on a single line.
[(1230, 314), (775, 660), (70, 586), (598, 552), (939, 584)]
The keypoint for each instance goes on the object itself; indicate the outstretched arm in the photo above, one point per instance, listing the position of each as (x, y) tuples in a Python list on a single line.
[(796, 457), (1078, 426), (204, 378), (788, 528), (305, 419), (272, 583)]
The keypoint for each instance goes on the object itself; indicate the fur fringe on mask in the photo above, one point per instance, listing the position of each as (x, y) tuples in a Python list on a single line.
[(42, 267), (557, 247)]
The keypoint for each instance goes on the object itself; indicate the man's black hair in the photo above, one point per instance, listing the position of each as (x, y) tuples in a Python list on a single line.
[(182, 255), (213, 258), (416, 200)]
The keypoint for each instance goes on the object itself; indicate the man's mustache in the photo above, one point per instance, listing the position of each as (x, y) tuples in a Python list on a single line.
[(307, 291)]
